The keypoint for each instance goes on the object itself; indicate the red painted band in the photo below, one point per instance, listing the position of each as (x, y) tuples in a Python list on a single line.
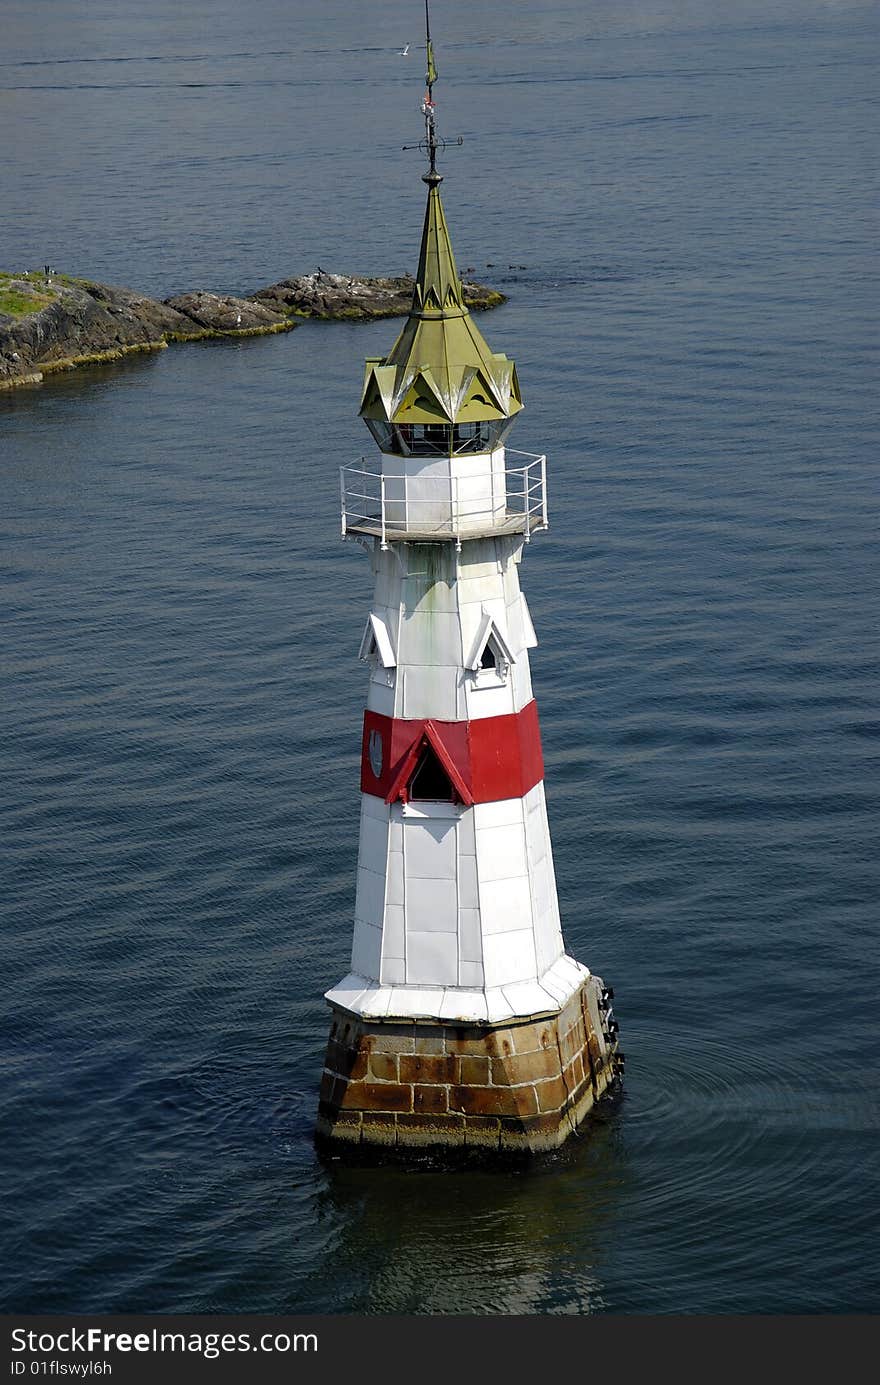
[(487, 759)]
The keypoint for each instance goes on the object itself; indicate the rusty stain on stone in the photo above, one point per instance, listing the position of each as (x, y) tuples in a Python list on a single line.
[(523, 1086)]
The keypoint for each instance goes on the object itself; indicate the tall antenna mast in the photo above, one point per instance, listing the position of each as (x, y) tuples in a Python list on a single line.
[(430, 144), (432, 177)]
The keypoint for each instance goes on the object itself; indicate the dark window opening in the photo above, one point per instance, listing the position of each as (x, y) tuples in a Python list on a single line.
[(430, 780), (438, 439), (487, 658)]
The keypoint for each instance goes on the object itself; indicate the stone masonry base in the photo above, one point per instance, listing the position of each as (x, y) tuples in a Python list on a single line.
[(523, 1085)]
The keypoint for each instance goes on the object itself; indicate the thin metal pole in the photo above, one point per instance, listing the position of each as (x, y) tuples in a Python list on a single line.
[(492, 487), (382, 506), (430, 127), (544, 489)]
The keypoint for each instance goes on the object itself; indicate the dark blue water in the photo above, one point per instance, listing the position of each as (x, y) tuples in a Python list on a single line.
[(689, 189)]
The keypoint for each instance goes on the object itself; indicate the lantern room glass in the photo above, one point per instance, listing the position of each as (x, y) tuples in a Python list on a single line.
[(438, 439)]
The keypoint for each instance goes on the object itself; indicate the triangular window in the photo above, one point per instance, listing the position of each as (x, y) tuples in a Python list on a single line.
[(428, 773), (491, 656), (430, 781)]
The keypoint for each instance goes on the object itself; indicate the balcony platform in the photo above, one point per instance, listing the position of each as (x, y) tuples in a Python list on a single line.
[(410, 500), (395, 533)]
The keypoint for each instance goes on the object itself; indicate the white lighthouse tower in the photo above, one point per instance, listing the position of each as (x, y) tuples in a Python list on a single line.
[(462, 1019)]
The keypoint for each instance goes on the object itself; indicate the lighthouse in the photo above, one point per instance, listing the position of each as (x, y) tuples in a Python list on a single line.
[(462, 1020)]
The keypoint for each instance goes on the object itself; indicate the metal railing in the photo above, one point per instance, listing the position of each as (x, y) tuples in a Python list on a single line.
[(389, 507)]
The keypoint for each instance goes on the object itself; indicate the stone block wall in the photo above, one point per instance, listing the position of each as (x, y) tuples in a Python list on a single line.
[(523, 1085)]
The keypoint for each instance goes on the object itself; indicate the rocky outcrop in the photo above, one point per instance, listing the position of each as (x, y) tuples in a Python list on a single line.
[(55, 322), (133, 312), (221, 312), (65, 326), (350, 298)]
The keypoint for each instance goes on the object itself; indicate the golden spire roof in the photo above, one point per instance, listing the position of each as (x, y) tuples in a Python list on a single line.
[(440, 369)]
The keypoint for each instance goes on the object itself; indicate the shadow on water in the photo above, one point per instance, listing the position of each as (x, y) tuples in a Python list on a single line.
[(429, 1235)]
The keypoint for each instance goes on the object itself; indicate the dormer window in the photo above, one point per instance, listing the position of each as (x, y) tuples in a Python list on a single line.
[(428, 775), (491, 656)]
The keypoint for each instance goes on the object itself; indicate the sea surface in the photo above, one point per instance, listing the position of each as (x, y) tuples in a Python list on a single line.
[(678, 200)]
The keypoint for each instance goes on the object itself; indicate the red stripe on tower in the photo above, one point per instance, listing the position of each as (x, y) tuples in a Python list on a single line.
[(489, 759)]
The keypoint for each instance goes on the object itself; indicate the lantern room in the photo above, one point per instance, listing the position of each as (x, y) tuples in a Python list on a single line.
[(440, 406)]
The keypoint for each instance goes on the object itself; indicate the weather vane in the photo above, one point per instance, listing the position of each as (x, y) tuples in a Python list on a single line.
[(430, 144)]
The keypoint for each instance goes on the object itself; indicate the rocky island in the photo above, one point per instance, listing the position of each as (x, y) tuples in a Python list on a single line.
[(51, 321), (342, 297)]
